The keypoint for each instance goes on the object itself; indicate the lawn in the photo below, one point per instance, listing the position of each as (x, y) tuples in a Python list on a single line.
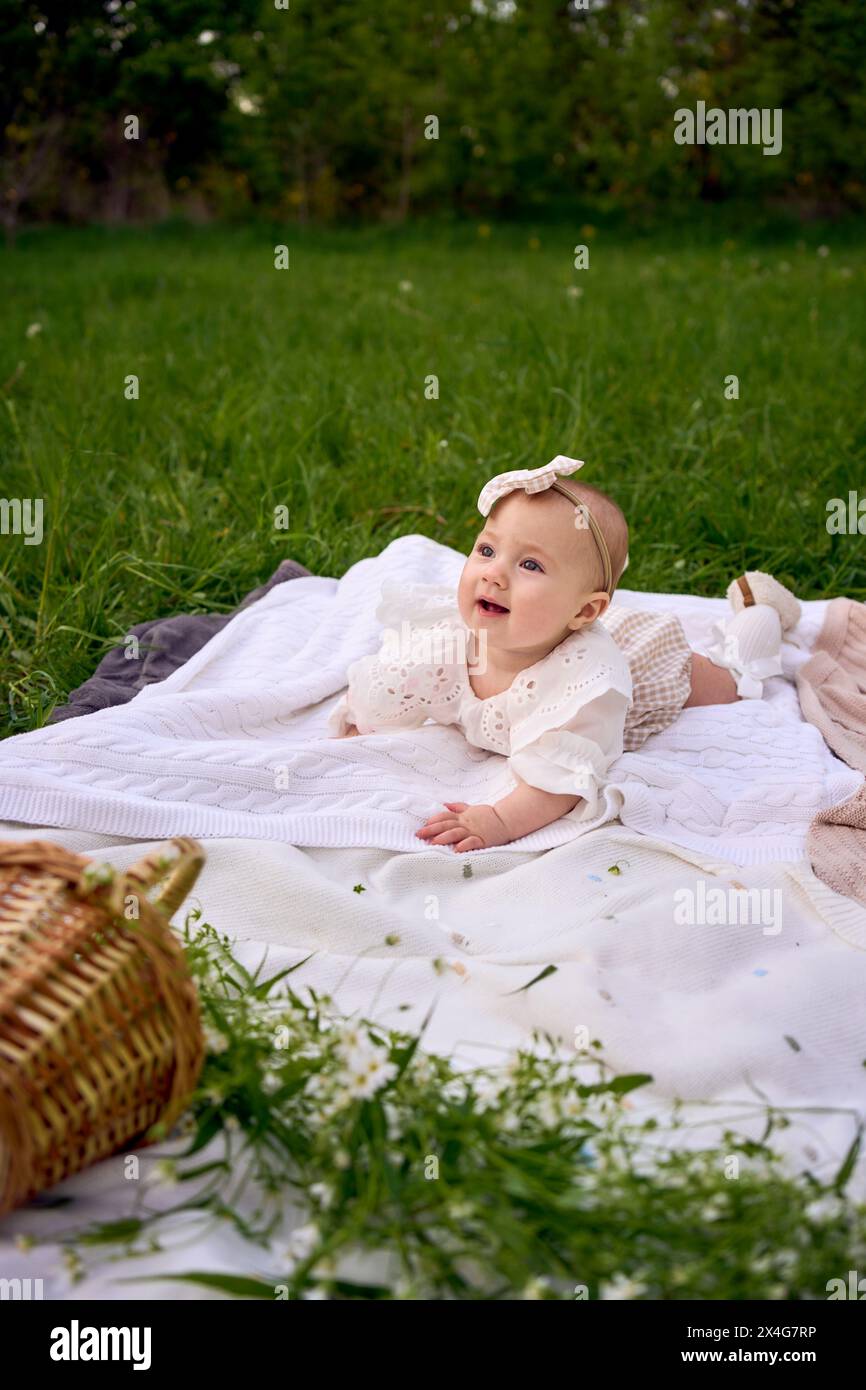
[(304, 389)]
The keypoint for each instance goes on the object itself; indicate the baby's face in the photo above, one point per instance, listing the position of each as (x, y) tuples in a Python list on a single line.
[(534, 565)]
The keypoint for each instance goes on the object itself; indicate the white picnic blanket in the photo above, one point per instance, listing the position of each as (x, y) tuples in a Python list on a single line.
[(718, 1014), (234, 743)]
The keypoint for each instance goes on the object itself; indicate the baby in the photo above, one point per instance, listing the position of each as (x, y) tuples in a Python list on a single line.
[(557, 680)]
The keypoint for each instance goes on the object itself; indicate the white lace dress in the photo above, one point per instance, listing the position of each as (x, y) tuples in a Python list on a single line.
[(560, 722)]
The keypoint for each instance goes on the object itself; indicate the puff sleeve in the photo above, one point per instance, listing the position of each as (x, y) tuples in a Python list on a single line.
[(566, 741), (574, 759)]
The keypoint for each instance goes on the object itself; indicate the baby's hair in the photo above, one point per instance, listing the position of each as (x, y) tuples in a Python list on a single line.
[(613, 525)]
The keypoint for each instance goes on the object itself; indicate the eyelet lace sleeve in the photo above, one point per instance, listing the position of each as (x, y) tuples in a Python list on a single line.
[(417, 673)]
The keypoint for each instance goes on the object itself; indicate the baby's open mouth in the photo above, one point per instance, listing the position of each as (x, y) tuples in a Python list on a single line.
[(488, 606)]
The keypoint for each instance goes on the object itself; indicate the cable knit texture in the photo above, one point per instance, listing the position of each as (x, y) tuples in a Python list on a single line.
[(832, 688), (235, 743)]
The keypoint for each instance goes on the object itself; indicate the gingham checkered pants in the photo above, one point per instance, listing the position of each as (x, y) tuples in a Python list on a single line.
[(660, 659)]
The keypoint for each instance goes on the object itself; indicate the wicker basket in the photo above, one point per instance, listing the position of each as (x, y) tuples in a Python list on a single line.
[(100, 1034)]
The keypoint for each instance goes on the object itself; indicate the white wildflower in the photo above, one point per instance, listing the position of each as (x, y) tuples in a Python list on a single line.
[(393, 1119), (163, 1171), (460, 1211), (32, 330), (352, 1041), (422, 1069), (489, 1089), (547, 1110), (827, 1208), (368, 1073), (786, 1262), (215, 1041), (455, 1090), (537, 1288), (304, 1240), (714, 1209), (621, 1287), (571, 1107)]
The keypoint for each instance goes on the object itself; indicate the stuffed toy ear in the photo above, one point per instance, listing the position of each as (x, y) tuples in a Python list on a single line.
[(756, 587)]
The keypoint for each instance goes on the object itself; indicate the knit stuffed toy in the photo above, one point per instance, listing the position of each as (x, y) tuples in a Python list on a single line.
[(749, 644)]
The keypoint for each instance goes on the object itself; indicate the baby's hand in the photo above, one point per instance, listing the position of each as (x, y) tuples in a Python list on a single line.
[(465, 827), (350, 732)]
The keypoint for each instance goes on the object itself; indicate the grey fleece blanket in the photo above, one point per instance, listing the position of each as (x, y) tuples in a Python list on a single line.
[(164, 644)]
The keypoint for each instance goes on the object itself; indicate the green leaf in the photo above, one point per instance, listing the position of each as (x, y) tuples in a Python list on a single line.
[(234, 1284), (548, 970), (110, 1231), (208, 1127), (850, 1160), (350, 1290), (263, 990), (621, 1084), (189, 1173)]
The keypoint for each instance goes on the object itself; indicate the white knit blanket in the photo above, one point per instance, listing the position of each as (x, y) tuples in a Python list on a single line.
[(234, 744)]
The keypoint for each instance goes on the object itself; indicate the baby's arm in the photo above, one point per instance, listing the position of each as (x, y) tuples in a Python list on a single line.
[(529, 808), (577, 755), (481, 827)]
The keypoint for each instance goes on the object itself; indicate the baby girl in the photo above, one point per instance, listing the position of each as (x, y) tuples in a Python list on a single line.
[(559, 681)]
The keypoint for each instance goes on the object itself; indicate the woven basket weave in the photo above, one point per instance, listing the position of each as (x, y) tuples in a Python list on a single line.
[(100, 1032)]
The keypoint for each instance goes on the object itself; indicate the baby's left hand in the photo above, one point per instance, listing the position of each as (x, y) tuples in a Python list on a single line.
[(465, 827)]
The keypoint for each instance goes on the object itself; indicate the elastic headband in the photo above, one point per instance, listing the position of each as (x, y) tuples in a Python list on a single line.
[(597, 533)]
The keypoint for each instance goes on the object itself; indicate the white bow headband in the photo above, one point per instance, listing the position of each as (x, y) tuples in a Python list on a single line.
[(538, 480)]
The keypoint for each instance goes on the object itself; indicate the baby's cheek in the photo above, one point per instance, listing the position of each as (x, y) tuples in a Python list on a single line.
[(466, 594)]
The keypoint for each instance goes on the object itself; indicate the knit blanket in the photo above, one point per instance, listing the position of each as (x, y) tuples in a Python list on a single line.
[(234, 743), (832, 689)]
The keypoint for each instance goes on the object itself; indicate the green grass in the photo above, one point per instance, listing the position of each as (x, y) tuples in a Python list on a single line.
[(305, 388)]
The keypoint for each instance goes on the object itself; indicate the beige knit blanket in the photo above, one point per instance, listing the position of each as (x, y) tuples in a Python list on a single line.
[(832, 691)]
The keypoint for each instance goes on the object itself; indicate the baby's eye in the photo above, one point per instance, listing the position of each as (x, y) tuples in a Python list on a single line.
[(484, 546), (536, 564)]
